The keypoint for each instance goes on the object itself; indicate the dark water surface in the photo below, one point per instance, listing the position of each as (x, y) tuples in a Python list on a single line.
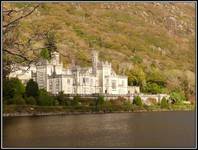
[(150, 129)]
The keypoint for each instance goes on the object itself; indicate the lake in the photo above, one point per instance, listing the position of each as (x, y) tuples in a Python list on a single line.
[(146, 129)]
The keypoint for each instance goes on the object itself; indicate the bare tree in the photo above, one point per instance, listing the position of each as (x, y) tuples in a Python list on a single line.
[(15, 50)]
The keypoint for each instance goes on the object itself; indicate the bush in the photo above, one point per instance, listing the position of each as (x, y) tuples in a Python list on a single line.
[(137, 101), (99, 103), (108, 106), (32, 89), (152, 88), (177, 97), (164, 103), (75, 101), (127, 105), (30, 100), (61, 99), (18, 100), (101, 100), (45, 99)]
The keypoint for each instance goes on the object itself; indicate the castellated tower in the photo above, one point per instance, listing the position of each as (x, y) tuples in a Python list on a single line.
[(55, 58), (94, 61)]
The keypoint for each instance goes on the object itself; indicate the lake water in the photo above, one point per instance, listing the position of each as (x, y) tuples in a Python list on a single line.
[(149, 129)]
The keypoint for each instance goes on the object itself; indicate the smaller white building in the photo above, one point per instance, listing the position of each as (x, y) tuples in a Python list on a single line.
[(22, 72)]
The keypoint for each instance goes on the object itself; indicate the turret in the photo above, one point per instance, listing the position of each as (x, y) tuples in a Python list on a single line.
[(55, 58), (94, 61)]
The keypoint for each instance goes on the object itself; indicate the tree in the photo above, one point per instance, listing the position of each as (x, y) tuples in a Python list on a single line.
[(12, 87), (32, 89), (136, 76), (152, 88), (137, 101), (185, 86), (45, 54), (50, 44), (164, 103), (156, 76), (8, 90), (16, 50)]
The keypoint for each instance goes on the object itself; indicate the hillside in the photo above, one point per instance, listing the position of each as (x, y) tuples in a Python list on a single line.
[(145, 35)]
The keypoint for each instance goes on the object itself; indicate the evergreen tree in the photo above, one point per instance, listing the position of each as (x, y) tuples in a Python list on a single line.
[(12, 87), (164, 103), (50, 44), (32, 89), (137, 101)]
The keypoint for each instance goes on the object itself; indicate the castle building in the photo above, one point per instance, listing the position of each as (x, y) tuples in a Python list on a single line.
[(100, 78)]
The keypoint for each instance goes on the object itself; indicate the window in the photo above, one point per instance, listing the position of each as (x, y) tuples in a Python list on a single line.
[(83, 80), (57, 83), (91, 81), (107, 81), (87, 80), (68, 81), (113, 84)]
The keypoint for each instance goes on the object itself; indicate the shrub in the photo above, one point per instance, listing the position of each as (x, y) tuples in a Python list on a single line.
[(99, 102), (164, 103), (18, 100), (127, 105), (177, 97), (137, 101), (30, 100), (61, 98), (108, 106), (45, 99), (75, 101), (152, 88)]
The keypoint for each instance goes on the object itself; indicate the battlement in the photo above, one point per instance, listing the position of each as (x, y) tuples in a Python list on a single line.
[(106, 64)]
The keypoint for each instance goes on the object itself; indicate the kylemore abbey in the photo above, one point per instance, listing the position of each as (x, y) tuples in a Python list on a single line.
[(98, 79)]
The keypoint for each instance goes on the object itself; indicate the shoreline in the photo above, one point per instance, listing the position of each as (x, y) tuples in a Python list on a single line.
[(81, 113)]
